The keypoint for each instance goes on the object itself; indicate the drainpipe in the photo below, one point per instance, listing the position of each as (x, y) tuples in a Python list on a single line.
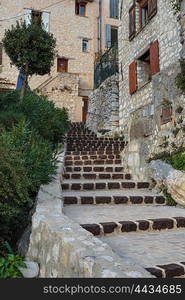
[(100, 26)]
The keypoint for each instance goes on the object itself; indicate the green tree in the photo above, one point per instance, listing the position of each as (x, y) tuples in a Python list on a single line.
[(30, 47)]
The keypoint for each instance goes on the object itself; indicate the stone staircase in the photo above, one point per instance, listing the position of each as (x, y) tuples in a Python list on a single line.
[(124, 213)]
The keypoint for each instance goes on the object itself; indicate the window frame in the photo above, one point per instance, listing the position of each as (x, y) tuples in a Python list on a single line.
[(78, 6), (87, 41), (67, 65)]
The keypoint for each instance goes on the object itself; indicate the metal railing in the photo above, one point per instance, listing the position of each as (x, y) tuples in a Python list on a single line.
[(106, 66)]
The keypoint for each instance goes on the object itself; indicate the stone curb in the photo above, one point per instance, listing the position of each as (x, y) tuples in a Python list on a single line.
[(135, 226)]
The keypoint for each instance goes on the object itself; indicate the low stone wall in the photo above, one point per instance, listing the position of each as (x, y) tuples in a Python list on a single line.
[(103, 112), (64, 249), (172, 179)]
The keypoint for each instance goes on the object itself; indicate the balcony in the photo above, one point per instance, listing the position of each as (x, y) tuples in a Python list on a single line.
[(106, 65)]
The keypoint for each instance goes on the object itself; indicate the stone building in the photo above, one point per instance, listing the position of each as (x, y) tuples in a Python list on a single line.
[(150, 47), (83, 29)]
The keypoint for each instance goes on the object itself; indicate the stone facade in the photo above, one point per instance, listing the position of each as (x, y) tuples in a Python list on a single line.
[(151, 115), (103, 113), (69, 30)]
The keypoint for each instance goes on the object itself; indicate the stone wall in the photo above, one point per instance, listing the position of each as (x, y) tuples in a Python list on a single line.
[(141, 113), (64, 249), (162, 27), (103, 112)]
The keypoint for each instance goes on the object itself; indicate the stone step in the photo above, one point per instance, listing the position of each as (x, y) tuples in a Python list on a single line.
[(95, 169), (173, 270), (112, 198), (77, 185), (101, 152), (161, 252), (92, 157), (93, 162), (96, 176), (145, 225), (81, 138)]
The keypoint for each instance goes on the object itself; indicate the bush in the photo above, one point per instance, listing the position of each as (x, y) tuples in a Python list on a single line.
[(14, 193), (26, 162), (37, 154), (10, 263), (10, 118), (50, 122)]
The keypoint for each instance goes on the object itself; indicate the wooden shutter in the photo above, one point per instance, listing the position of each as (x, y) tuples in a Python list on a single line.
[(45, 21), (133, 77), (121, 10), (108, 35), (152, 8), (132, 22), (154, 58), (27, 16)]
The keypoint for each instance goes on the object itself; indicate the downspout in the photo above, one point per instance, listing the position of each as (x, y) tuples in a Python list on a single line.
[(100, 25)]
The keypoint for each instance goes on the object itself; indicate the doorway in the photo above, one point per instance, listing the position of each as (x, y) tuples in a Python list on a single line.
[(85, 108)]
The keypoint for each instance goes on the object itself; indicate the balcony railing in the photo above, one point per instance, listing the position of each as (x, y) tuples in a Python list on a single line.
[(106, 66)]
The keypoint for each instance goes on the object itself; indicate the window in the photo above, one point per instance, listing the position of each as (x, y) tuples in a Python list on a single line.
[(85, 45), (111, 35), (114, 8), (143, 13), (148, 8), (80, 8), (142, 69), (62, 65), (38, 17)]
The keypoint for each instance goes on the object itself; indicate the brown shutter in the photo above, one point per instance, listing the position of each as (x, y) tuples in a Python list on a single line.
[(154, 58), (132, 22), (133, 77), (152, 8)]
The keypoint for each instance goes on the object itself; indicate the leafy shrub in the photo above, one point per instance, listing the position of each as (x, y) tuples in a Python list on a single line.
[(10, 118), (26, 162), (49, 121), (14, 192), (37, 154), (178, 161), (10, 263), (175, 158)]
